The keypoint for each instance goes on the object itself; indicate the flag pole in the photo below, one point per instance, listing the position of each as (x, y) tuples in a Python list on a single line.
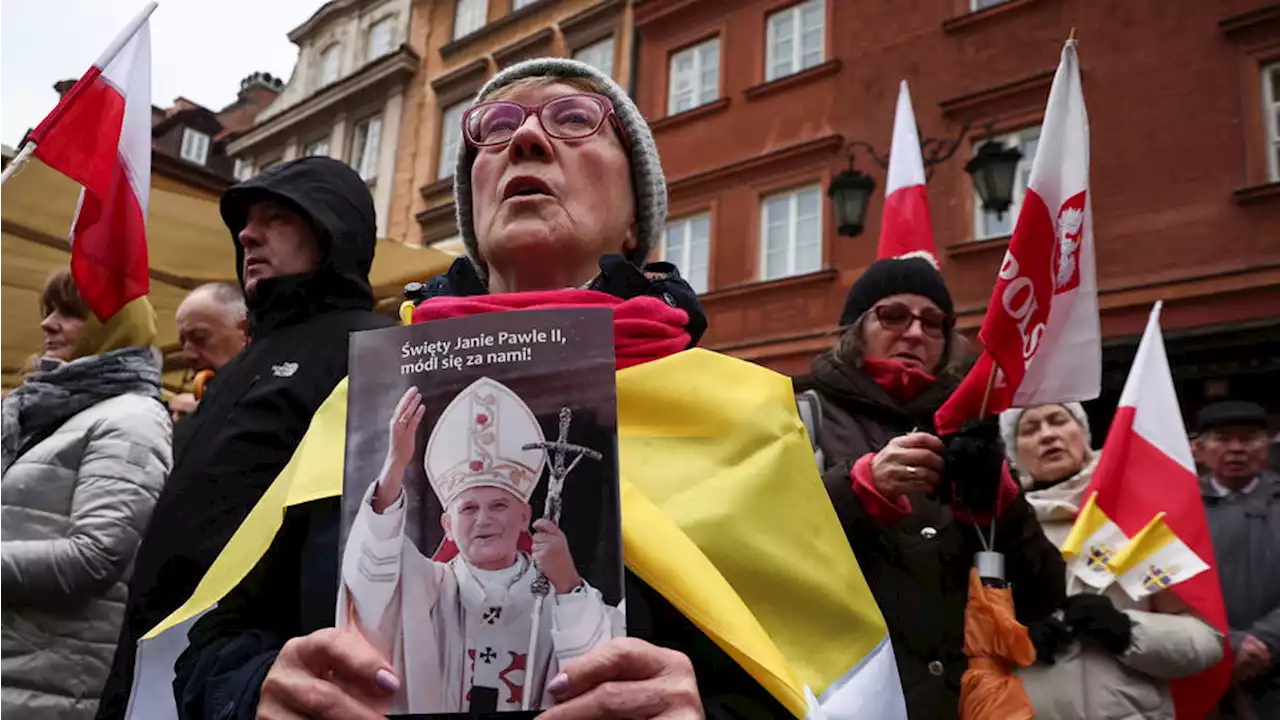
[(28, 147)]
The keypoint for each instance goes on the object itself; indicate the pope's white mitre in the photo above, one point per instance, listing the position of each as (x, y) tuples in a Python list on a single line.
[(479, 442)]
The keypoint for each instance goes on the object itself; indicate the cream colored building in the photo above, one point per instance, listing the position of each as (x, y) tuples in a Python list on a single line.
[(345, 98)]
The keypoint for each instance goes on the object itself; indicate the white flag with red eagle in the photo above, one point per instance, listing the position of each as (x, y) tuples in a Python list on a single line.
[(905, 227), (1041, 338), (100, 136)]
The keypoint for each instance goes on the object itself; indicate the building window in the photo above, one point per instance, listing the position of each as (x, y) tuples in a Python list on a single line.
[(695, 77), (329, 60), (380, 38), (468, 16), (195, 146), (795, 39), (598, 55), (517, 4), (687, 245), (1271, 105), (450, 136), (364, 147), (240, 170), (791, 229), (985, 224), (319, 147)]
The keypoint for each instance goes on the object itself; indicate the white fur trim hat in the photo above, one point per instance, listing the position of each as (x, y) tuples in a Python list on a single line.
[(1009, 428), (648, 182)]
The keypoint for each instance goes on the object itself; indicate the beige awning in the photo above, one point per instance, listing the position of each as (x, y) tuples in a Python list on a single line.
[(187, 245)]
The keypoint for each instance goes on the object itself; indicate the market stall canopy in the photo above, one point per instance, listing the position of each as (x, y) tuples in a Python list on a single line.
[(187, 245)]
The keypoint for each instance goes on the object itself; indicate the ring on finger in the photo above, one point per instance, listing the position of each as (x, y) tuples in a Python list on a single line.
[(911, 471)]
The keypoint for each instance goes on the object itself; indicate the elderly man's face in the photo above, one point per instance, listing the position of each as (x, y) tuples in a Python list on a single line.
[(1234, 453), (585, 207), (208, 333), (485, 523)]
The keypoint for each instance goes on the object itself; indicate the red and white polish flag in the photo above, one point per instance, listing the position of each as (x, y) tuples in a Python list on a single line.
[(1146, 468), (905, 227), (1041, 333), (100, 136)]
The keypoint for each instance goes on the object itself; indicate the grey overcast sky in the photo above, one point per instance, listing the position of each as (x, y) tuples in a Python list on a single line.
[(200, 49)]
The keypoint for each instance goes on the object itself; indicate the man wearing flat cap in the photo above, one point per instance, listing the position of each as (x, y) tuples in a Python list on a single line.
[(1242, 504)]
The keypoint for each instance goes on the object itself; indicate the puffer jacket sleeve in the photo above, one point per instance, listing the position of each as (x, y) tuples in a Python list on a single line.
[(126, 459), (1171, 642)]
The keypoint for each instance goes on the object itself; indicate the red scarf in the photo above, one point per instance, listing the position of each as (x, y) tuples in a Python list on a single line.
[(902, 382), (644, 328)]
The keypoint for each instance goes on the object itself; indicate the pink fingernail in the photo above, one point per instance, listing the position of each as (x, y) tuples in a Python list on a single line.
[(387, 681), (558, 684)]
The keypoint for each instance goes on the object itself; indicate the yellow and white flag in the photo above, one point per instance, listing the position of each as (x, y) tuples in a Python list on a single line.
[(1093, 541), (1154, 560)]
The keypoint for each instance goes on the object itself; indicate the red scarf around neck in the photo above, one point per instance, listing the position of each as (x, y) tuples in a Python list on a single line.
[(903, 383), (644, 328)]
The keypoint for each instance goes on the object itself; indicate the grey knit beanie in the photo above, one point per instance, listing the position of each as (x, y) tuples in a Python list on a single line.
[(1009, 428), (648, 182)]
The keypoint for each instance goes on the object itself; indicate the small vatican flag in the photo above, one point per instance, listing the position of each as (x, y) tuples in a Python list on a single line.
[(1092, 543), (1154, 560)]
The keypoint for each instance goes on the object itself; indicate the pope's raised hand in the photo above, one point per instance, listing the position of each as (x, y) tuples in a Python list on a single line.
[(551, 555), (402, 431)]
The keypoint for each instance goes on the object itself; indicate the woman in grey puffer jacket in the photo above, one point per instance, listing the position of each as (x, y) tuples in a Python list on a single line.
[(1109, 657), (86, 450)]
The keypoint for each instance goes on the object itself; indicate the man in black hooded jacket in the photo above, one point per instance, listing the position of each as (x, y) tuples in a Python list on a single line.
[(304, 233)]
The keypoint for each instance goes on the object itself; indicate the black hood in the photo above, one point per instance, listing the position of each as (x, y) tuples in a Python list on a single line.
[(336, 201)]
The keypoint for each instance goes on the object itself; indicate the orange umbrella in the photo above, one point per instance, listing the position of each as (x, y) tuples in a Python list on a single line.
[(995, 642)]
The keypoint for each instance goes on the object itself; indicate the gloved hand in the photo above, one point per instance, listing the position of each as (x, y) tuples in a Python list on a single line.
[(1049, 635), (972, 464), (1094, 617)]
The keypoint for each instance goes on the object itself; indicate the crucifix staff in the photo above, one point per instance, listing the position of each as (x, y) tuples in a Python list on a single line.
[(558, 452)]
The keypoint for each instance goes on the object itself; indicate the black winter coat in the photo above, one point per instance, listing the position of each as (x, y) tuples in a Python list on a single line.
[(247, 426), (293, 589), (918, 568)]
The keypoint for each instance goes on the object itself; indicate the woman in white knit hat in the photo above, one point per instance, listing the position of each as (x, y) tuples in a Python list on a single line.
[(1102, 656)]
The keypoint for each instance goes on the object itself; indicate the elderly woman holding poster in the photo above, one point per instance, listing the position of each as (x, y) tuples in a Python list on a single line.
[(914, 507), (560, 198), (1124, 651)]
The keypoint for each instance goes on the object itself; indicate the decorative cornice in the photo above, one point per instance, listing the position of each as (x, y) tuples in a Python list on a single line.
[(474, 38), (978, 17), (760, 90), (1257, 193), (461, 82), (594, 23), (654, 11), (694, 113), (1243, 22), (1031, 90), (825, 144), (529, 46), (383, 72), (318, 18)]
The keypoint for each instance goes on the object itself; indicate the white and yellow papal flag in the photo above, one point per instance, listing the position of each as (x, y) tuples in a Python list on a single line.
[(1092, 543), (1154, 560)]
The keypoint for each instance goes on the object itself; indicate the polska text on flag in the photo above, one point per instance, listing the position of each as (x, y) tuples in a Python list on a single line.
[(1041, 330)]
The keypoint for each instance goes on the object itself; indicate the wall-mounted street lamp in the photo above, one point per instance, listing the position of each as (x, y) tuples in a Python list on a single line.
[(993, 169)]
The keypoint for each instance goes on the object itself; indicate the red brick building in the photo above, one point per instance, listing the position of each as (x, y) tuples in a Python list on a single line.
[(753, 103)]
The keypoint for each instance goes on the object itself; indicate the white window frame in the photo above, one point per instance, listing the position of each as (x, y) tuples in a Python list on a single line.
[(797, 59), (793, 216), (240, 169), (518, 4), (1271, 108), (195, 146), (330, 65), (372, 49), (317, 148), (699, 278), (363, 159), (700, 56), (450, 137), (1022, 174), (976, 5), (598, 55), (469, 16)]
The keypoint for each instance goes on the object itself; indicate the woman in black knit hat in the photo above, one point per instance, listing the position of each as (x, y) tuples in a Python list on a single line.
[(886, 473)]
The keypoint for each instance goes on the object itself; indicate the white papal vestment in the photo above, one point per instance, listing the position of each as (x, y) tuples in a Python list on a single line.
[(447, 627)]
